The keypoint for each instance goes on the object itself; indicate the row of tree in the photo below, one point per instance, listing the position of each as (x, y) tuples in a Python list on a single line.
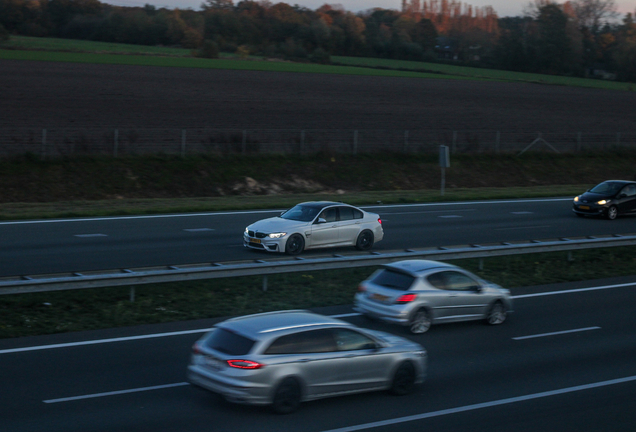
[(579, 37)]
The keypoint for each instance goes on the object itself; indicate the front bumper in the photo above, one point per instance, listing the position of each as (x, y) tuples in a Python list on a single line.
[(589, 209), (266, 244)]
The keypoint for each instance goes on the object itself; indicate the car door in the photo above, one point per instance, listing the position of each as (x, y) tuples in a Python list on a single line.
[(627, 199), (462, 298), (366, 365), (349, 223), (325, 233)]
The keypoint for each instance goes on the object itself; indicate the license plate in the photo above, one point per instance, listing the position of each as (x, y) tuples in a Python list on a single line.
[(379, 297), (584, 207), (253, 240)]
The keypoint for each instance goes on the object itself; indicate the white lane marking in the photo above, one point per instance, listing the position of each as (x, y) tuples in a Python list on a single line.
[(157, 335), (521, 213), (113, 393), (576, 290), (198, 229), (555, 333), (521, 228), (101, 341), (450, 216), (429, 212), (253, 212), (90, 235), (478, 406)]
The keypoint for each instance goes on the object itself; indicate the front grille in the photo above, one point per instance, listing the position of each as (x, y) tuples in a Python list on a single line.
[(257, 234)]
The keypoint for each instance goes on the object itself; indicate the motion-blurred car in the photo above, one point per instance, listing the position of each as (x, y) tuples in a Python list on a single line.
[(610, 199), (419, 293), (317, 224), (284, 358)]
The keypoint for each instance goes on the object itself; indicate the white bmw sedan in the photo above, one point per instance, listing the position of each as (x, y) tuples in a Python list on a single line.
[(318, 224)]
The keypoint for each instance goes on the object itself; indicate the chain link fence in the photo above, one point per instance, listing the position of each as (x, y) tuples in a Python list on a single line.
[(57, 142)]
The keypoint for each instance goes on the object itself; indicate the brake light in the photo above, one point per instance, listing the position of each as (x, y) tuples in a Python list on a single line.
[(244, 364), (406, 298), (380, 221), (361, 288)]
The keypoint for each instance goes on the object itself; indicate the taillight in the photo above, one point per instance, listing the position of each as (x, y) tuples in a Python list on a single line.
[(380, 221), (361, 288), (244, 364), (406, 298), (196, 349)]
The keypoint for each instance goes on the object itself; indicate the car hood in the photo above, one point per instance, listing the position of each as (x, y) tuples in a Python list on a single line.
[(593, 197), (276, 224)]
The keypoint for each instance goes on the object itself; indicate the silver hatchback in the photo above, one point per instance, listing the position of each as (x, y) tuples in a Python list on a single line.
[(284, 358), (419, 293)]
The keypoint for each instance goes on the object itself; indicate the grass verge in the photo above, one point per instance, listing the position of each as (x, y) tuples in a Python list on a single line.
[(64, 311)]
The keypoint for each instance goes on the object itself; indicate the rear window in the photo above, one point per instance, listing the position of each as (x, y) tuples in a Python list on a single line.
[(227, 342), (393, 279)]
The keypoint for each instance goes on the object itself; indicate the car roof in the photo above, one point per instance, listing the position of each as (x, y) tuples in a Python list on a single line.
[(322, 204), (279, 322), (617, 181), (418, 266)]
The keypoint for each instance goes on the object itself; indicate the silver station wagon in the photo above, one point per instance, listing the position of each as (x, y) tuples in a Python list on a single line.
[(284, 358), (419, 293)]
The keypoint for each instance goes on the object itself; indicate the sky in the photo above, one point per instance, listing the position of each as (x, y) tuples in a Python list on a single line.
[(502, 7)]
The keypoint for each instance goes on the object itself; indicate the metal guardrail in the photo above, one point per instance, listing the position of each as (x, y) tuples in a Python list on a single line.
[(264, 267)]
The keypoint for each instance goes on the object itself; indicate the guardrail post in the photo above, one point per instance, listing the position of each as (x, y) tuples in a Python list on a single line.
[(406, 141), (43, 143), (481, 263), (355, 142), (116, 143), (183, 142), (132, 294), (497, 140), (302, 142), (244, 142), (264, 283)]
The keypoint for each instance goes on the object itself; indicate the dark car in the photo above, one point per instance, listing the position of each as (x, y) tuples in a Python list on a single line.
[(609, 199)]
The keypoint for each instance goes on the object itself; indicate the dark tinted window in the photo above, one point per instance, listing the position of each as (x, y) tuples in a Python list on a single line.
[(312, 341), (329, 214), (629, 190), (437, 280), (607, 188), (346, 213), (301, 213), (393, 279), (451, 280), (350, 340), (228, 342), (357, 214)]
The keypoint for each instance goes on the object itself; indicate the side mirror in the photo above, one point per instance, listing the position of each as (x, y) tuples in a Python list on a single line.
[(321, 221), (621, 195), (477, 288)]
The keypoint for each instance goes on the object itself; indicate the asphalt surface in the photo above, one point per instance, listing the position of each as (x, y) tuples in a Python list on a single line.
[(564, 361), (81, 245)]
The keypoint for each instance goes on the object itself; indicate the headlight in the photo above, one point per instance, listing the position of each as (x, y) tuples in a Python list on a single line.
[(246, 230), (603, 202), (276, 235), (576, 199)]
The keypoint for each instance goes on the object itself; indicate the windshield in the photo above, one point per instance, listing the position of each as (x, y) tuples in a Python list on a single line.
[(607, 188), (301, 213)]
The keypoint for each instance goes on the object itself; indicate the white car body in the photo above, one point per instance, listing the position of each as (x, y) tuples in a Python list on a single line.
[(345, 226)]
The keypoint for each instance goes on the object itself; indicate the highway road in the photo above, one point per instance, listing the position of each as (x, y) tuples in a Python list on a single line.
[(564, 361), (84, 244)]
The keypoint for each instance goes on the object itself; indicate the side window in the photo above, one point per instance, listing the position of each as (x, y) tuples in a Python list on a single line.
[(459, 282), (312, 341), (329, 214), (346, 213), (629, 190), (437, 280), (357, 214), (350, 340)]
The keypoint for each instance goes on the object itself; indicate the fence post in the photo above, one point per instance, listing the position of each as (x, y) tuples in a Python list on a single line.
[(497, 140), (578, 142), (183, 142), (116, 143), (355, 142), (43, 143), (244, 142), (406, 141), (454, 145), (302, 141)]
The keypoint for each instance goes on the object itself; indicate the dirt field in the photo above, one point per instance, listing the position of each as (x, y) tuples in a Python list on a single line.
[(58, 95)]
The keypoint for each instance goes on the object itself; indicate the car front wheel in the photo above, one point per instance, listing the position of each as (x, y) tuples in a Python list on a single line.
[(295, 244), (611, 213), (403, 379), (496, 314)]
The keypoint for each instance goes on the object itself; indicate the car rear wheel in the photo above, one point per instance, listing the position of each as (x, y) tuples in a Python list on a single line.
[(403, 379), (287, 396), (611, 213), (496, 314), (365, 240), (421, 322), (295, 244)]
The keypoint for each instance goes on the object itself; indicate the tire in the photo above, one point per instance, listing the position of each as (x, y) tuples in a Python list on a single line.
[(421, 322), (295, 244), (611, 213), (365, 240), (496, 314), (287, 396), (404, 378)]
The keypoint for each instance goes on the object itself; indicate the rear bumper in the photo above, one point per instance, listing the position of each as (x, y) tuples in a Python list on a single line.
[(232, 391)]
